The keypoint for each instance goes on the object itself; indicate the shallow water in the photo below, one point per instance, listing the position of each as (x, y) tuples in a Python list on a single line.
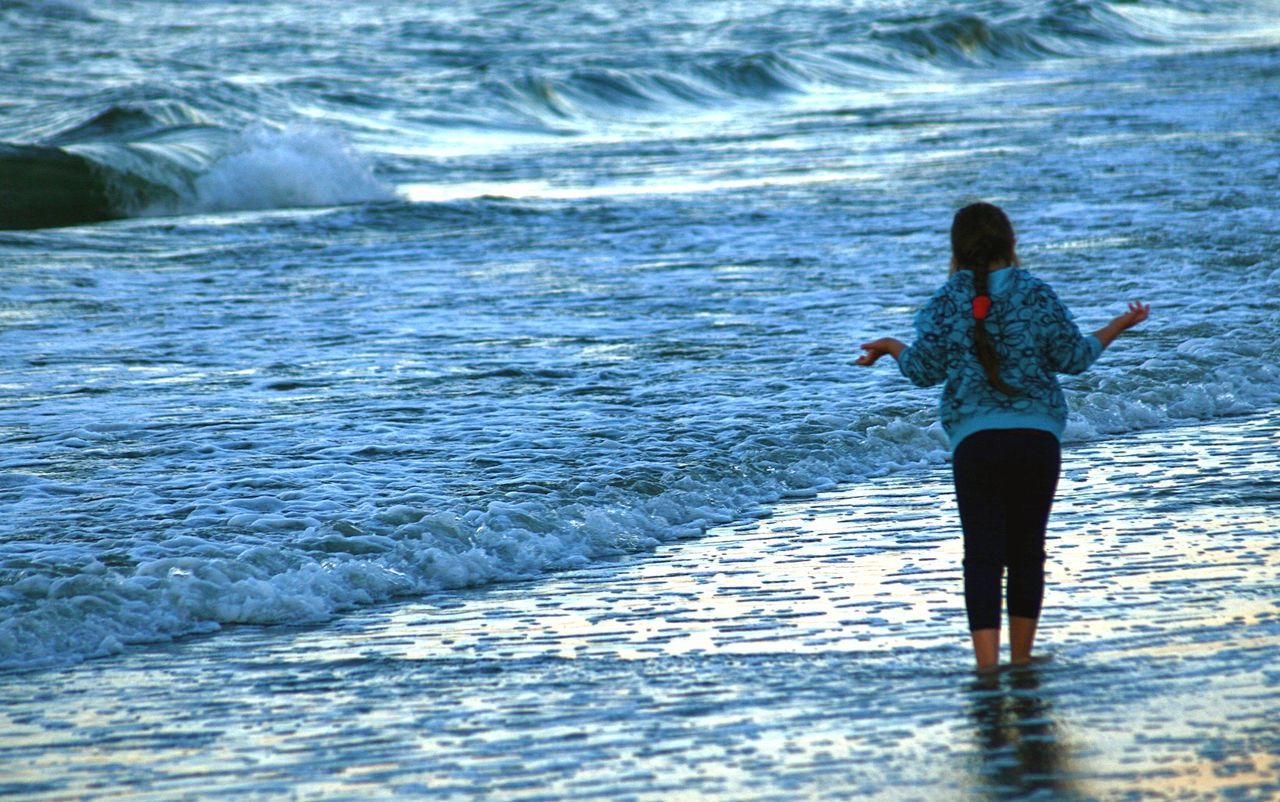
[(817, 654)]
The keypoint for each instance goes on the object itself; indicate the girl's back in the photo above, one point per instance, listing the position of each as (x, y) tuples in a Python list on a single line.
[(1034, 338)]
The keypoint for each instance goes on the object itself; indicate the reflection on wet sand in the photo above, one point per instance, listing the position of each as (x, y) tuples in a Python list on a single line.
[(1022, 748)]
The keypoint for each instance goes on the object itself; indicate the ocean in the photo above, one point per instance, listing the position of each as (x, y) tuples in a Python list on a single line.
[(316, 316)]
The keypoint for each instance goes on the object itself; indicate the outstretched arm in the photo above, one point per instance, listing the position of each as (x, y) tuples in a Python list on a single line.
[(1137, 313), (878, 348)]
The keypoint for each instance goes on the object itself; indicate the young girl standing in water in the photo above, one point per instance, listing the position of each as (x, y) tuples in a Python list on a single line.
[(997, 336)]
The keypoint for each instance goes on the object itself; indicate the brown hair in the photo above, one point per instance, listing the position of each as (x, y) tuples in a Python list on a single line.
[(981, 235)]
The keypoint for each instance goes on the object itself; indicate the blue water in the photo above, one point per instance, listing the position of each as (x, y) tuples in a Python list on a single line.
[(308, 308)]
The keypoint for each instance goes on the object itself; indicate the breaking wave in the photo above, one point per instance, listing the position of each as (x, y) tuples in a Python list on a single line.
[(167, 159)]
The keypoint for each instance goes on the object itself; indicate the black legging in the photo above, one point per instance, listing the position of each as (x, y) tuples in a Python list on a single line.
[(1005, 481)]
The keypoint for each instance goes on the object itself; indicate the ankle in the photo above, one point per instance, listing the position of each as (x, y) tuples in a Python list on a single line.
[(986, 648)]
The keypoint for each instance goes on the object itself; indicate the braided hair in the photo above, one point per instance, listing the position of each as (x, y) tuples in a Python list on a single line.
[(981, 235)]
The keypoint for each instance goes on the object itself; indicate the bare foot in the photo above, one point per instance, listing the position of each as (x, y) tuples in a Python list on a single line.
[(1033, 660)]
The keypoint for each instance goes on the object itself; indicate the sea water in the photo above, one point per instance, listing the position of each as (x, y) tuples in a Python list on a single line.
[(309, 308)]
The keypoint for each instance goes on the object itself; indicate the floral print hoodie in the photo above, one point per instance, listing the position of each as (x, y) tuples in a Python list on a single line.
[(1034, 336)]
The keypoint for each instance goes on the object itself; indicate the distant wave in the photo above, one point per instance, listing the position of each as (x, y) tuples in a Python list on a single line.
[(857, 51), (150, 151), (604, 93), (1063, 29), (165, 158)]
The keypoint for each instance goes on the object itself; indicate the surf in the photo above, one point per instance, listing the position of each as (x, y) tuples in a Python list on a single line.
[(162, 159)]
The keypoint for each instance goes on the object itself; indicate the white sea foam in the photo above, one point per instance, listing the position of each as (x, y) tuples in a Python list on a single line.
[(295, 167), (260, 554), (294, 563)]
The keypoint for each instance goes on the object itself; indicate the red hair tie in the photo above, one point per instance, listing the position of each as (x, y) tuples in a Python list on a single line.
[(981, 306)]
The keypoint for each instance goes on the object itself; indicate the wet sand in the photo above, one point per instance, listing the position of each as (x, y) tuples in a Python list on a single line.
[(816, 654)]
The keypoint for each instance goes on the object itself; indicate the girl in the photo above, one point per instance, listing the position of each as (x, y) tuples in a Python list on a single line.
[(997, 336)]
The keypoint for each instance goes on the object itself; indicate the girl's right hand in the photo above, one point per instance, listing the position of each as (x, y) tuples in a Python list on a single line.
[(878, 348)]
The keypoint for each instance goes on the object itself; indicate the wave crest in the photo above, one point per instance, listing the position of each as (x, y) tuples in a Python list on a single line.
[(854, 51), (1065, 28), (167, 159), (268, 169)]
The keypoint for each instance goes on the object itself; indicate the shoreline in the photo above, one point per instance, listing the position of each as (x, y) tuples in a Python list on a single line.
[(817, 653)]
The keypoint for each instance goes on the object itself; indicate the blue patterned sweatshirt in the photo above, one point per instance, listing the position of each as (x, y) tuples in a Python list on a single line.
[(1034, 336)]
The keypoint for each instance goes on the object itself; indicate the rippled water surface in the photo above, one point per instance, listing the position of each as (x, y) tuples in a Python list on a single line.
[(816, 654), (310, 309)]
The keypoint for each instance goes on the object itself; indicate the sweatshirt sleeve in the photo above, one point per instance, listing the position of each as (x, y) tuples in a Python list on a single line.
[(1067, 349), (924, 362)]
